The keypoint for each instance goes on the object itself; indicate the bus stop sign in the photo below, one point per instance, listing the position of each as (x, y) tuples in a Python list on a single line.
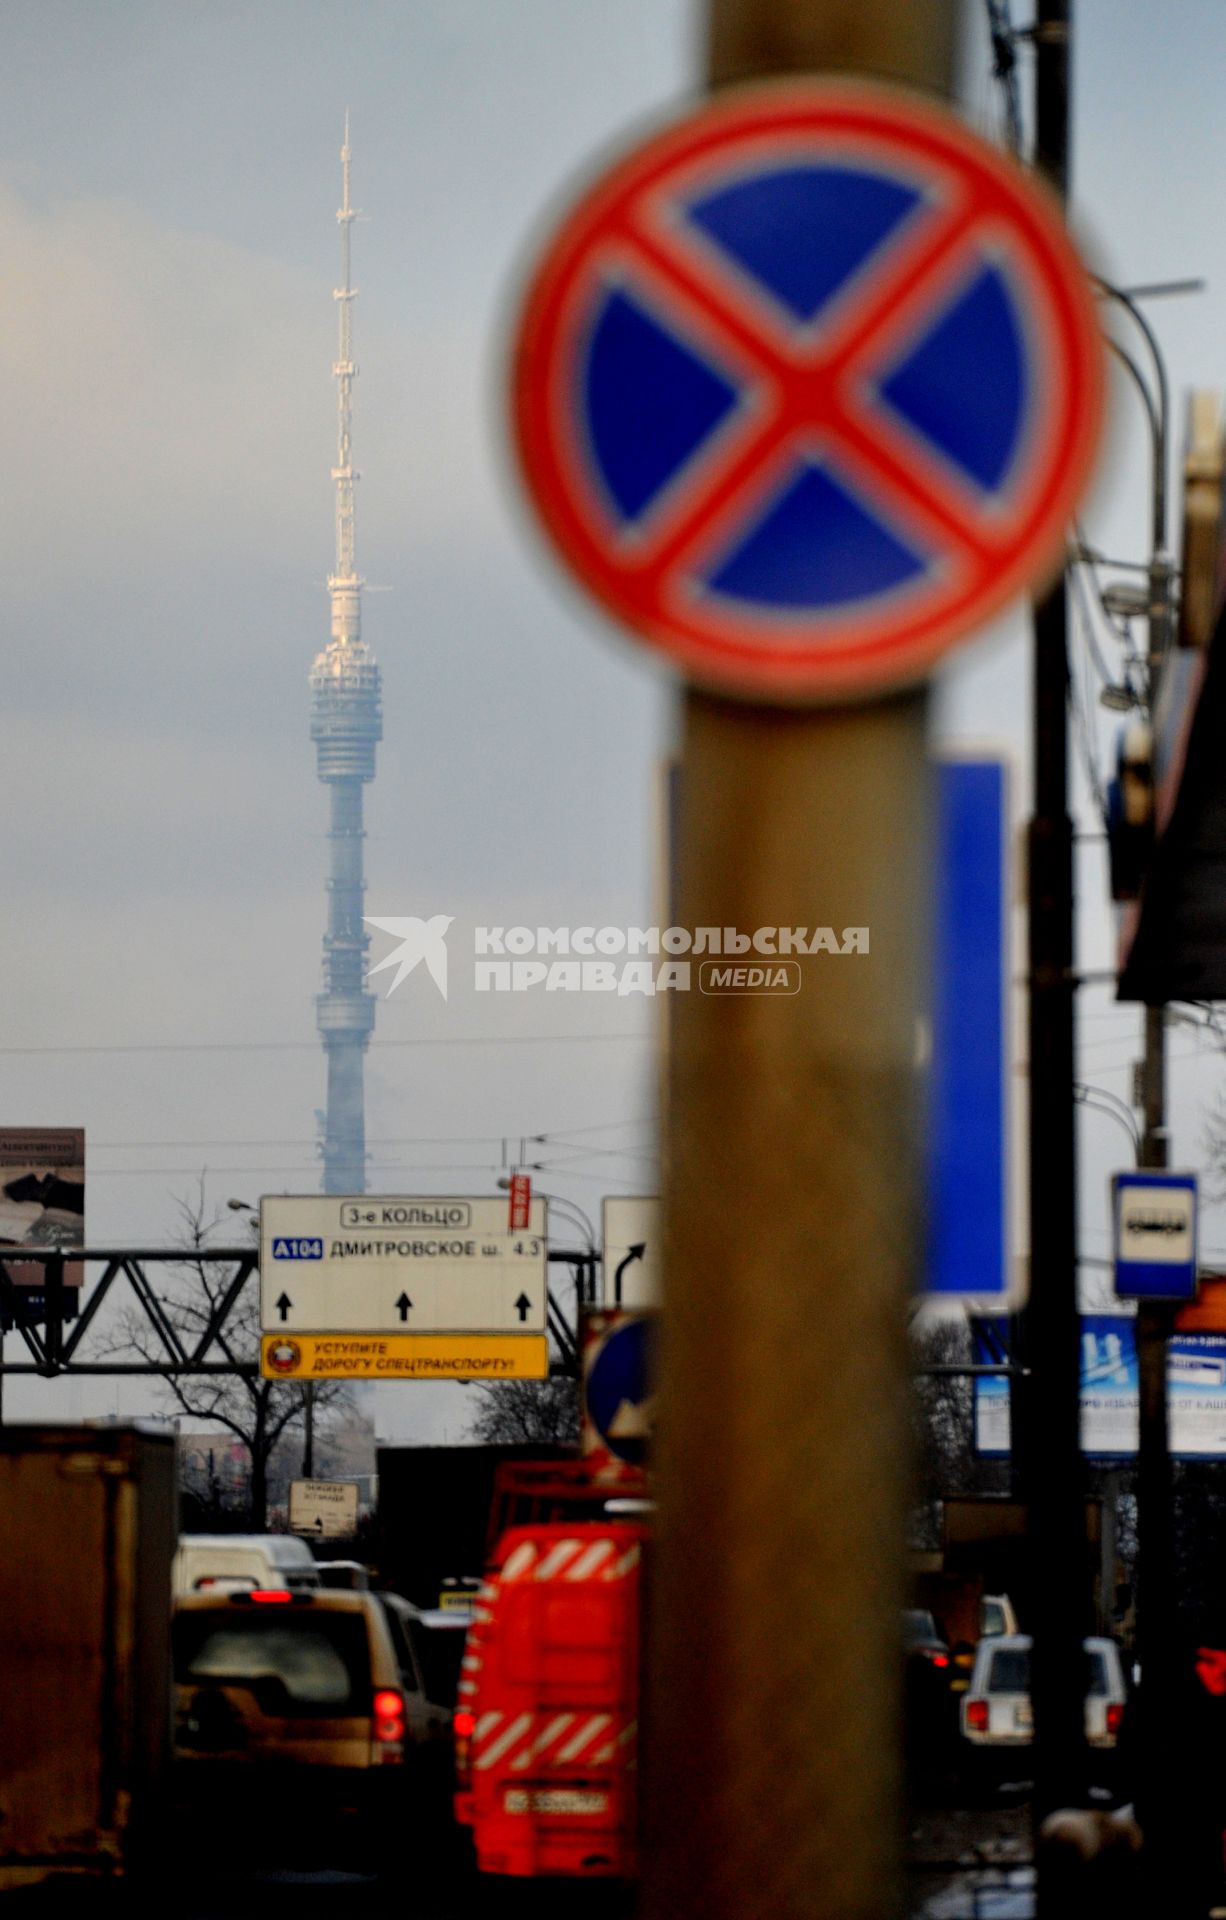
[(806, 387)]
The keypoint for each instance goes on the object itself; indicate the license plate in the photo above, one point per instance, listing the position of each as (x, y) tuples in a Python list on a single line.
[(572, 1800)]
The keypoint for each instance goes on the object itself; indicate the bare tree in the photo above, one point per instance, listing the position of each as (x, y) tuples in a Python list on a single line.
[(942, 1424), (257, 1411), (535, 1412)]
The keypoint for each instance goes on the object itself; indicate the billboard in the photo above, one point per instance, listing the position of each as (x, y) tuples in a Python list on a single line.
[(1196, 1390), (324, 1509), (968, 1134), (975, 1219), (42, 1203)]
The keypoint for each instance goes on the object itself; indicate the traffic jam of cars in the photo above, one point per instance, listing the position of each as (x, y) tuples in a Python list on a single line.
[(501, 1728), (498, 1730), (970, 1718)]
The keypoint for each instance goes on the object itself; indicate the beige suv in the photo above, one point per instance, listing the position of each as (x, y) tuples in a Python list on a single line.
[(303, 1717)]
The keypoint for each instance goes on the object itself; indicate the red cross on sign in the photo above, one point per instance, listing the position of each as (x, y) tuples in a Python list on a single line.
[(807, 387)]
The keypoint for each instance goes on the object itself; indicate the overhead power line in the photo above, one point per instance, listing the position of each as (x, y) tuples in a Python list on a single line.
[(308, 1046)]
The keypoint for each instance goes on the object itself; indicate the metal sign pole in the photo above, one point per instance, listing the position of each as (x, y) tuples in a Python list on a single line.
[(1048, 1435), (792, 1236), (734, 360)]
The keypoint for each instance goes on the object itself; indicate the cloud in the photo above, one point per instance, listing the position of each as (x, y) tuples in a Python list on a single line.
[(157, 393)]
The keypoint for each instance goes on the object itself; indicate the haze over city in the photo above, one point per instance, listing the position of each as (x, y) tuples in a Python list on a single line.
[(168, 182)]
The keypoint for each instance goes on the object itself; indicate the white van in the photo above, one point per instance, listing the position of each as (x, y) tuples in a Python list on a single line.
[(207, 1562)]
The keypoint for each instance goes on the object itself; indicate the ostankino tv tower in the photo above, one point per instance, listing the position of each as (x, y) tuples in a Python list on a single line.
[(346, 724)]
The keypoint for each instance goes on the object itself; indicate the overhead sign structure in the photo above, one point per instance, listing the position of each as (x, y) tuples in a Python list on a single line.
[(323, 1509), (1154, 1216), (441, 1276), (807, 387), (631, 1251)]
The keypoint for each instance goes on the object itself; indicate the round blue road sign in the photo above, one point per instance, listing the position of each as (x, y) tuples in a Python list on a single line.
[(618, 1388), (807, 386)]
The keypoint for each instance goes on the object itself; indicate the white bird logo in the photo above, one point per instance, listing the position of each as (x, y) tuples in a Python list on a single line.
[(419, 940)]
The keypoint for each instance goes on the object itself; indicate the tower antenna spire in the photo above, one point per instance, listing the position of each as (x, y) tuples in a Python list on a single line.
[(346, 726), (345, 582)]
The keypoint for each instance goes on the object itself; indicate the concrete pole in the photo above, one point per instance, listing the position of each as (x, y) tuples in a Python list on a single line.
[(793, 1237)]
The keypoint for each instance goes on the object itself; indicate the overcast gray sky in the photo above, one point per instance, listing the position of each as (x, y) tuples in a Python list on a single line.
[(168, 181)]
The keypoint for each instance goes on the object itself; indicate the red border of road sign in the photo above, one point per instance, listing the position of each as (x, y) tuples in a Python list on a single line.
[(988, 553)]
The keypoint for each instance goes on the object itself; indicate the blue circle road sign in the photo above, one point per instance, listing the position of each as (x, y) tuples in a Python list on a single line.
[(807, 387), (618, 1387)]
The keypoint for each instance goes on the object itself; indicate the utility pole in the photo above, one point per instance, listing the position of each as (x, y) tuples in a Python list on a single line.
[(308, 1430), (1050, 1392), (1155, 1323)]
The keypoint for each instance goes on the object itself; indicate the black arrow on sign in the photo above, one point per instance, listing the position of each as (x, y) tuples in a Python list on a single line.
[(523, 1306), (283, 1306), (635, 1253), (403, 1305)]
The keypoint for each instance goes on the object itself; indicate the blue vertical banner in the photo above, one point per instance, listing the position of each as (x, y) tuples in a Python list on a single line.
[(968, 1084)]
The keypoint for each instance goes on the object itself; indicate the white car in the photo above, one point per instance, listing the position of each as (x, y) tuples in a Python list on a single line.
[(225, 1562), (996, 1714), (996, 1614)]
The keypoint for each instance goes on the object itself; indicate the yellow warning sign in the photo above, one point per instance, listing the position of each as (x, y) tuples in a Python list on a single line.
[(404, 1356)]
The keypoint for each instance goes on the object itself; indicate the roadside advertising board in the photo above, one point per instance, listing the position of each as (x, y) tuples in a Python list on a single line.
[(323, 1509), (42, 1204), (1196, 1388)]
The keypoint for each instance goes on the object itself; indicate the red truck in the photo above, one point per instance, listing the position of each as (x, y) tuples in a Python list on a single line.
[(547, 1717)]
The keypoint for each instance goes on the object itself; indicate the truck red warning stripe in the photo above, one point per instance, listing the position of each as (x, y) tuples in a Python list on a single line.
[(572, 1558), (552, 1740), (551, 1679)]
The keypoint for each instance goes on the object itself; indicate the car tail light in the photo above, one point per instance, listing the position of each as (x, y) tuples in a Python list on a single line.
[(940, 1659), (1115, 1716), (463, 1726), (389, 1716), (267, 1597), (977, 1715)]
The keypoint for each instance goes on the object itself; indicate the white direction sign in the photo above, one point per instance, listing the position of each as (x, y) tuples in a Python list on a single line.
[(323, 1509), (630, 1235), (387, 1263)]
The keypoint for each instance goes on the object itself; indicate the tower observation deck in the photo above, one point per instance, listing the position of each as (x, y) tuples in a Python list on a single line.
[(346, 725)]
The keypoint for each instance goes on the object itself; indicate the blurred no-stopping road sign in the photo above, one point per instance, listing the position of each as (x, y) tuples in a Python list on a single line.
[(806, 387)]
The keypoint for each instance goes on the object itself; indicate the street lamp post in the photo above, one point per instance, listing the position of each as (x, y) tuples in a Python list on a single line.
[(1155, 1492)]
